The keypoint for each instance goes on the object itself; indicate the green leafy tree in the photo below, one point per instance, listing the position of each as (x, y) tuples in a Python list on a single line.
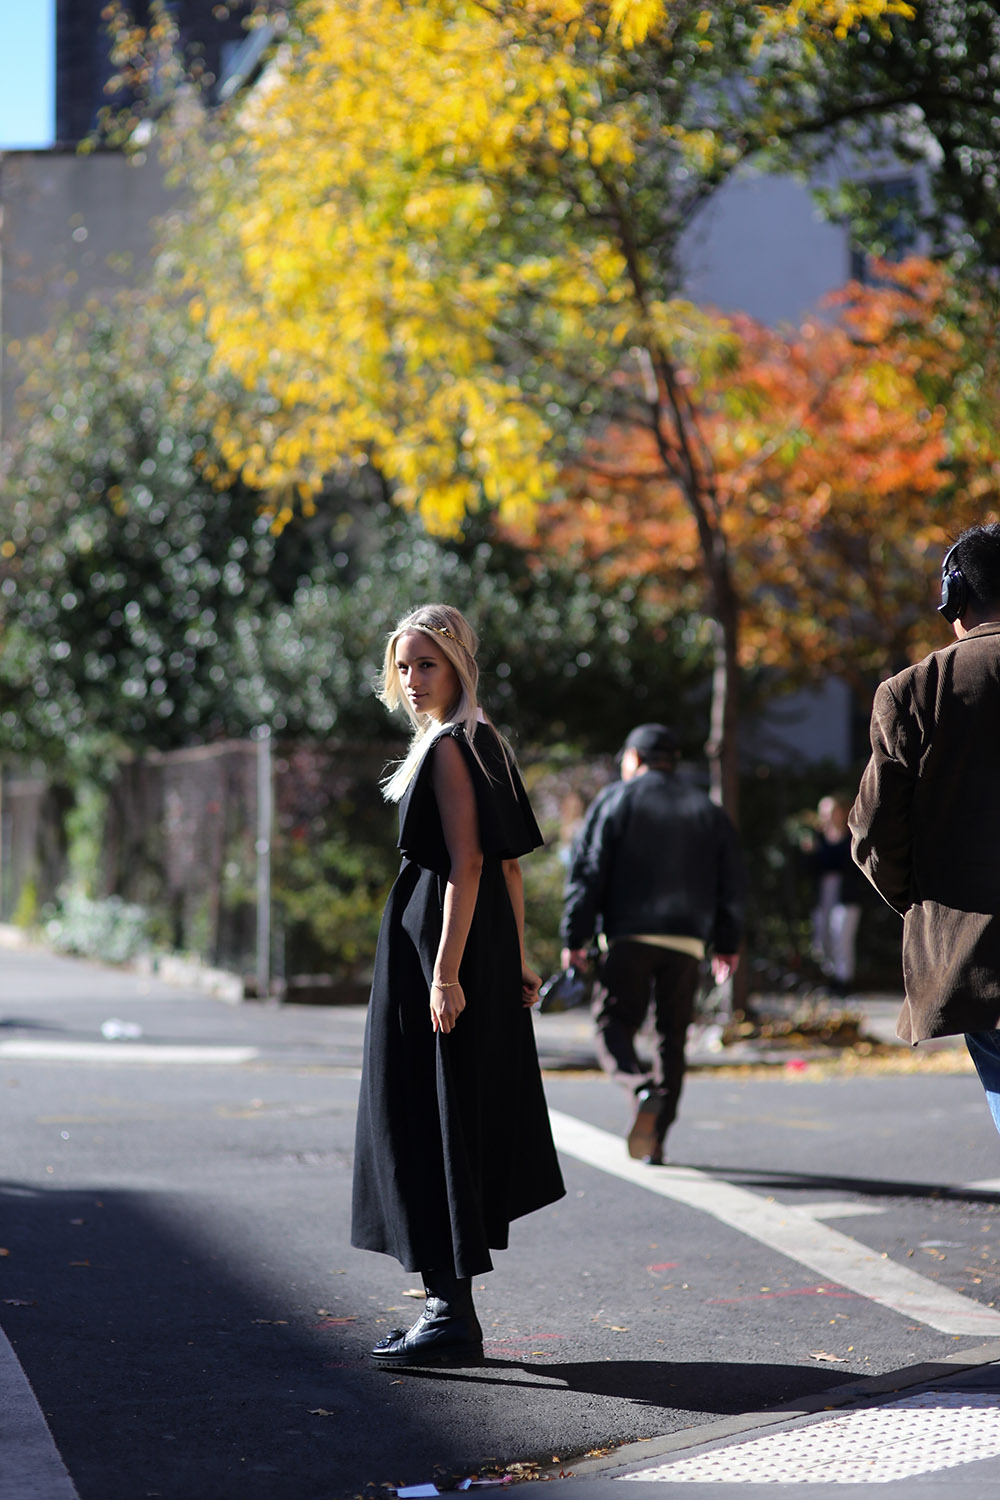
[(147, 598), (128, 551)]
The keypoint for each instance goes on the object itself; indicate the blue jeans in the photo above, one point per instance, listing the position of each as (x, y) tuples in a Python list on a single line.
[(984, 1049)]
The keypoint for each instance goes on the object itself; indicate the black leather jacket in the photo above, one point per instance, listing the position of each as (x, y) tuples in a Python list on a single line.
[(655, 855)]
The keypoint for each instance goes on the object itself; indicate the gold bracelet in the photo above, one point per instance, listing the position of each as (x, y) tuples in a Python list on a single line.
[(449, 984)]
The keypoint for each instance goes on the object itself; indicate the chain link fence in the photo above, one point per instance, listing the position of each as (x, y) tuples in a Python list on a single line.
[(177, 835)]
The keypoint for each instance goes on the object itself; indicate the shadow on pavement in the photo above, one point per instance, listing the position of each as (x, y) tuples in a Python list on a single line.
[(170, 1366), (14, 1023), (163, 1371), (710, 1388), (865, 1187)]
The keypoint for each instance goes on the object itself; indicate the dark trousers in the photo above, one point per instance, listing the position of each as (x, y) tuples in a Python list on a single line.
[(630, 976)]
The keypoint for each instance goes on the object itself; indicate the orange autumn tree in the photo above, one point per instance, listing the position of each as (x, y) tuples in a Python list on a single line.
[(838, 459)]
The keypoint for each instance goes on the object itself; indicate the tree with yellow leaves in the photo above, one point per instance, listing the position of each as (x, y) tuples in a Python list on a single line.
[(442, 236)]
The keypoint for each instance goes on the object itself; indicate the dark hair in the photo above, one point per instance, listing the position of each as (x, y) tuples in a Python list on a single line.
[(977, 555), (655, 744)]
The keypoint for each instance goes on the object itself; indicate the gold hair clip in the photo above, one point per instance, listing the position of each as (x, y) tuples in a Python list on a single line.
[(442, 630)]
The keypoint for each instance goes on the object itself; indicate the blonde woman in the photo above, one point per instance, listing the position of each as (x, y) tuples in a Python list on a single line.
[(453, 1138)]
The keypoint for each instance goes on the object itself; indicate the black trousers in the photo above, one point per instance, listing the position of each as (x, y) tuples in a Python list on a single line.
[(630, 977)]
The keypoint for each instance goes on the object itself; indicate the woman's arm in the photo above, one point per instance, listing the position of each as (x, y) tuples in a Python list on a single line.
[(456, 800), (530, 981)]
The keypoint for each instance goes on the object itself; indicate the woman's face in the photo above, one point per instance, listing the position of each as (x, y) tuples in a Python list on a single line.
[(426, 676)]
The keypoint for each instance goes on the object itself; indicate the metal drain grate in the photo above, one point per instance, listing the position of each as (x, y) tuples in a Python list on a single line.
[(936, 1430)]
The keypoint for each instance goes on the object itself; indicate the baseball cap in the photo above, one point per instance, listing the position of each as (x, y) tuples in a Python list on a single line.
[(654, 741)]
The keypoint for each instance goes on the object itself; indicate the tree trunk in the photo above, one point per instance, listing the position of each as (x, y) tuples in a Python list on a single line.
[(722, 746)]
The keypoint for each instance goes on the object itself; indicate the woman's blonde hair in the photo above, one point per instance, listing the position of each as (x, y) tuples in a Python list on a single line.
[(451, 632)]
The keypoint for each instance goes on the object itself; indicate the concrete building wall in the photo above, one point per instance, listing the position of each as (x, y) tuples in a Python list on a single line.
[(73, 228), (761, 247)]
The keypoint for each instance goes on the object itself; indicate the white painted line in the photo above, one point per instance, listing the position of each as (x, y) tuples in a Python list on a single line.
[(123, 1052), (984, 1185), (788, 1230), (845, 1210), (30, 1466)]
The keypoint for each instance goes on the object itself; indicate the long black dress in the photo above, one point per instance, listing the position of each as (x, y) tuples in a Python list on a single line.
[(453, 1138)]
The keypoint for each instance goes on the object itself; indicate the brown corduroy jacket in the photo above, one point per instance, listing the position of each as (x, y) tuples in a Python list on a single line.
[(926, 831)]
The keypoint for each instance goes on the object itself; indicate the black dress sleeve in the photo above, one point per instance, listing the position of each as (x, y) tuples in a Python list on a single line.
[(507, 826)]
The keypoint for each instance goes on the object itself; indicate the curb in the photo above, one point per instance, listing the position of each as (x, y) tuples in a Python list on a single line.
[(858, 1393)]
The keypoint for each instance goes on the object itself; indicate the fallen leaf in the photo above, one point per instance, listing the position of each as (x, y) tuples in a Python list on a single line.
[(827, 1359), (321, 1411), (17, 1302), (79, 1262), (4, 1252), (416, 1291), (282, 1322)]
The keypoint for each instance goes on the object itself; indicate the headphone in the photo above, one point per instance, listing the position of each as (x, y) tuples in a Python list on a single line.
[(954, 589)]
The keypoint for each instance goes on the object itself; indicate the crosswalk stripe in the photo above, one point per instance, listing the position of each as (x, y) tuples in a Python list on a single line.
[(124, 1052), (791, 1231)]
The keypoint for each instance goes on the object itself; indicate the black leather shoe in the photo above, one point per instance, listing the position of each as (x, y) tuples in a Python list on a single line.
[(440, 1336), (644, 1132)]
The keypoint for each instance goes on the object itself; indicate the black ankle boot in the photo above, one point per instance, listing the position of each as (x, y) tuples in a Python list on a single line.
[(446, 1333)]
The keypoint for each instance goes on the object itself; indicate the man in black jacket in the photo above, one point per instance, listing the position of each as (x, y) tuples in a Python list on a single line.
[(656, 875)]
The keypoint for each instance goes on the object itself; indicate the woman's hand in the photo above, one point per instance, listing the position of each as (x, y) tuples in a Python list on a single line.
[(530, 985), (447, 1004)]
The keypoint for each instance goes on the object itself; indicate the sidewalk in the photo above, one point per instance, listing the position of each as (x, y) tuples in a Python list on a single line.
[(566, 1041), (35, 1022), (930, 1431)]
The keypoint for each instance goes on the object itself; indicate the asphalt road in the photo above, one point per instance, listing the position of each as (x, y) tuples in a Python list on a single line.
[(177, 1284)]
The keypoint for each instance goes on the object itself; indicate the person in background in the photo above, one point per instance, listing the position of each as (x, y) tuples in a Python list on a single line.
[(925, 827), (657, 877), (838, 889)]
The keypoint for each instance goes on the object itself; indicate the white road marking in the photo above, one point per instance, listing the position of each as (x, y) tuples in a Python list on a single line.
[(30, 1466), (984, 1185), (124, 1052), (791, 1231), (838, 1210)]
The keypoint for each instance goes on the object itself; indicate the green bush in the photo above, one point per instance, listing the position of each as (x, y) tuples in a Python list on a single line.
[(329, 898), (111, 929)]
